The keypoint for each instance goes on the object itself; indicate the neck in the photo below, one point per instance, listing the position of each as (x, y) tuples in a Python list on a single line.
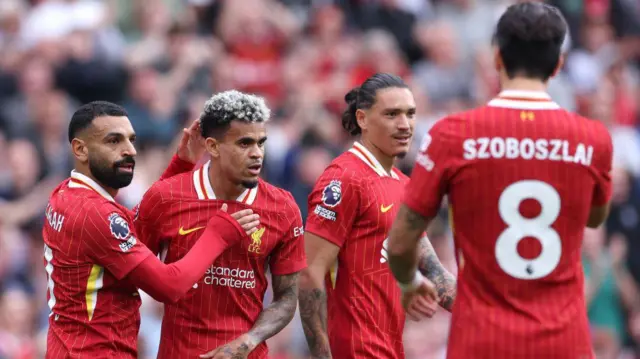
[(85, 171), (224, 189), (523, 84), (385, 161)]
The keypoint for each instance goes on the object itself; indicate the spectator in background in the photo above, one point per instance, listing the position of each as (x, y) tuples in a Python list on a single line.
[(17, 323), (151, 109), (603, 293), (446, 75)]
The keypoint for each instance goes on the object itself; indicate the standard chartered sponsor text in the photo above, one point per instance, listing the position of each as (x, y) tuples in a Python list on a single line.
[(230, 277)]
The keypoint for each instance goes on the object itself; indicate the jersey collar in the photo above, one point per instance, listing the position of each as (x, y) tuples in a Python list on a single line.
[(525, 100), (370, 160), (204, 190), (78, 180)]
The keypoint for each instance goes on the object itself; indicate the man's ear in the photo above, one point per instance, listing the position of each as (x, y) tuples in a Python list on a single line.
[(80, 150), (212, 146), (361, 118)]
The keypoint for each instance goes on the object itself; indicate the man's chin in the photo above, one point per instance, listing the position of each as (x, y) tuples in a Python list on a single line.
[(121, 181), (253, 183), (401, 154)]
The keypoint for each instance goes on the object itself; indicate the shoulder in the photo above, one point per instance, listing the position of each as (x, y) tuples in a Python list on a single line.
[(83, 202), (346, 169), (169, 188), (103, 213), (449, 128), (283, 198), (596, 132)]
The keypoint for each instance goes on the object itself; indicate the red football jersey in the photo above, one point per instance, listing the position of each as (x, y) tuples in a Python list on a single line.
[(226, 302), (89, 248), (353, 205), (521, 175)]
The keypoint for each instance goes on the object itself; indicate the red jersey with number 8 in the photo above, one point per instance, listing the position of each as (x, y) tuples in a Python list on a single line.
[(521, 175)]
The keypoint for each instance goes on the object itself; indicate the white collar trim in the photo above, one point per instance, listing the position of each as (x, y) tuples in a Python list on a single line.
[(370, 160), (204, 190), (88, 183), (525, 100)]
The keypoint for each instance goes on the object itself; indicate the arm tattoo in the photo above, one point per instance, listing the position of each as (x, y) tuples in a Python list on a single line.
[(280, 312), (415, 222), (430, 267), (403, 243), (313, 313)]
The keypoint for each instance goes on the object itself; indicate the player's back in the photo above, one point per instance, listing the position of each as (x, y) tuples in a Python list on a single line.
[(353, 205), (93, 314), (523, 175), (226, 302)]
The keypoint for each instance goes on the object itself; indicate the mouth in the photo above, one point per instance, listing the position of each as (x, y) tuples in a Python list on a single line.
[(126, 167), (255, 169), (403, 139)]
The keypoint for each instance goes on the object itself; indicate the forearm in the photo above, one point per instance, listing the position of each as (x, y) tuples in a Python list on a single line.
[(403, 244), (313, 313), (168, 283), (431, 267), (176, 166), (279, 313)]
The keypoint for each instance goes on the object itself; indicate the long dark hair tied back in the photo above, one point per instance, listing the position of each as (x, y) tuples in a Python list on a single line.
[(364, 97)]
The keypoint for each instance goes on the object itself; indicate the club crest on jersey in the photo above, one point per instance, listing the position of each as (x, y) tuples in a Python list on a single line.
[(332, 194), (256, 238), (118, 226)]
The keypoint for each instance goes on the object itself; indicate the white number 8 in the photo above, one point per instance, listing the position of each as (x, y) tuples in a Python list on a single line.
[(519, 227)]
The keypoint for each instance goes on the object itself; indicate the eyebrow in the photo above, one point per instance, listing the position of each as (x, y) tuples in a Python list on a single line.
[(390, 109), (251, 139), (118, 134)]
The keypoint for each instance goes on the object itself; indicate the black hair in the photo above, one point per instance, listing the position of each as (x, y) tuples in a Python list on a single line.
[(363, 97), (228, 106), (529, 36), (84, 116)]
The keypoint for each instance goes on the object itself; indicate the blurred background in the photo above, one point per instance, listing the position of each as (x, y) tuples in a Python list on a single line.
[(161, 59)]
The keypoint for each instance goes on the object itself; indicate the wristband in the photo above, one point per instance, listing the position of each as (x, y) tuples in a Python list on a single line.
[(415, 282)]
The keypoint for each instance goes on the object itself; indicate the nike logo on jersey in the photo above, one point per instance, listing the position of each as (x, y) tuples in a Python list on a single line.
[(386, 209), (184, 232)]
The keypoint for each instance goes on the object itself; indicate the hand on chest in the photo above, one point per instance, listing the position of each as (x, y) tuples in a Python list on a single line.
[(192, 219)]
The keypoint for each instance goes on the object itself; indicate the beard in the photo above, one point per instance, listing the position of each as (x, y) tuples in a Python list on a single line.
[(109, 174), (249, 184)]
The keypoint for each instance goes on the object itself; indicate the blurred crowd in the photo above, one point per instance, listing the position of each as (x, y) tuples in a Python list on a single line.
[(161, 59)]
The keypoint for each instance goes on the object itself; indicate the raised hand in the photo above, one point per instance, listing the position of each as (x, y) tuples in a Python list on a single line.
[(191, 147)]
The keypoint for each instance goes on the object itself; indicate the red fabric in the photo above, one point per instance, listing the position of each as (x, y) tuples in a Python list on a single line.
[(168, 283), (506, 305), (229, 297), (365, 316), (176, 166), (625, 109), (85, 257)]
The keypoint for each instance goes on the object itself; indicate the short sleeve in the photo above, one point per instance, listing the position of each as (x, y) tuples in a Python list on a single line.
[(333, 205), (289, 257), (111, 242), (428, 183), (601, 167)]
